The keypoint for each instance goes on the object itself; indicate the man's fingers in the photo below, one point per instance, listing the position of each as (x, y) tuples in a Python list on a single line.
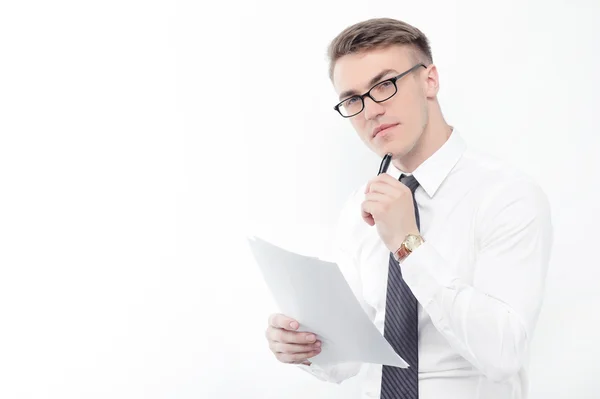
[(381, 182), (383, 188), (372, 207), (278, 320), (377, 198), (292, 337)]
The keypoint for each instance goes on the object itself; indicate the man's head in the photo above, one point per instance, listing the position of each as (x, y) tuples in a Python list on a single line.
[(371, 52)]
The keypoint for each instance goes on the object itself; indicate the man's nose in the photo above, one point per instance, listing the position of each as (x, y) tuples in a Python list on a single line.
[(372, 109)]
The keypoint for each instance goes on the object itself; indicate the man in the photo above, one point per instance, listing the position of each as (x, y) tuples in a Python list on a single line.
[(447, 252)]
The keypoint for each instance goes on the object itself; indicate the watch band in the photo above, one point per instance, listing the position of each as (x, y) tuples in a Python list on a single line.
[(401, 253), (410, 243)]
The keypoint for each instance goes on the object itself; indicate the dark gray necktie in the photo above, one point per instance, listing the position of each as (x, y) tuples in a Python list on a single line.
[(401, 326)]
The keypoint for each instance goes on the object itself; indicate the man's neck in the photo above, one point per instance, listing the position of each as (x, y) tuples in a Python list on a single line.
[(432, 139)]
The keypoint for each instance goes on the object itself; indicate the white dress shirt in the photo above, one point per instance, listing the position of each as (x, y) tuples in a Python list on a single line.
[(478, 278)]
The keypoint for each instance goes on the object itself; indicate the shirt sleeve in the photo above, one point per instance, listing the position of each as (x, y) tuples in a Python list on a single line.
[(345, 258), (490, 319)]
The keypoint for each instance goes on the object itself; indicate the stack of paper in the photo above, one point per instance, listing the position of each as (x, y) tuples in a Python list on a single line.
[(315, 293)]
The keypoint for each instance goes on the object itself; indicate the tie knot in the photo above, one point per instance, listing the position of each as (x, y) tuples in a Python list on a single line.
[(410, 182)]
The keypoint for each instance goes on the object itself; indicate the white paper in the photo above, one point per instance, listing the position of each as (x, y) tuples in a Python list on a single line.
[(315, 293)]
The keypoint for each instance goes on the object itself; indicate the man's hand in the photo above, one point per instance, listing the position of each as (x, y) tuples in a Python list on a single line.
[(389, 205), (288, 345)]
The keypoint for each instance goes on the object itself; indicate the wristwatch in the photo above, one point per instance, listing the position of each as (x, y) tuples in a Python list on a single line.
[(410, 243)]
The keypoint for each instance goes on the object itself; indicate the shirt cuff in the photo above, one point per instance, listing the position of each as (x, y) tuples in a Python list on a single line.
[(426, 273), (315, 371), (335, 373)]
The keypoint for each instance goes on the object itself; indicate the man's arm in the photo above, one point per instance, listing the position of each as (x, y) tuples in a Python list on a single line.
[(490, 320)]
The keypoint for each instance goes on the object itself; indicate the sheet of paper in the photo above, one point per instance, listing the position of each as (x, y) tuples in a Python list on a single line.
[(315, 293)]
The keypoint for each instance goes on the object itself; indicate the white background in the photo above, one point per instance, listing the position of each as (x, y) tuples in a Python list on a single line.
[(140, 141)]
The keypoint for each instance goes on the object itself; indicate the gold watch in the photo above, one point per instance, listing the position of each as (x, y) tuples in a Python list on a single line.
[(410, 243)]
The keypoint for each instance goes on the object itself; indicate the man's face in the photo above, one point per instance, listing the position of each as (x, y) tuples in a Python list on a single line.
[(406, 111)]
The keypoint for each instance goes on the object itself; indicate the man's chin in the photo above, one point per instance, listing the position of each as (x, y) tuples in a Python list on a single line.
[(396, 149)]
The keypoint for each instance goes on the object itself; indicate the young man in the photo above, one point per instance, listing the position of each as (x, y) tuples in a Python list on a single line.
[(447, 252)]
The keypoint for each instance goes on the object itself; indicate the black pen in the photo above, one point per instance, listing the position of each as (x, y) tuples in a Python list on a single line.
[(385, 163)]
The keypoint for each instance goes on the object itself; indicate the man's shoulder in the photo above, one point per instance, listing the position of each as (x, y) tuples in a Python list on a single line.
[(504, 186), (491, 172)]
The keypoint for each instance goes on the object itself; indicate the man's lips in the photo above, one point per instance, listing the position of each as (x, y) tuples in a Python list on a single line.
[(383, 127)]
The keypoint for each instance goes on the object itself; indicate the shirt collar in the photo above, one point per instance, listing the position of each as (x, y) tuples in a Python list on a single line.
[(432, 173)]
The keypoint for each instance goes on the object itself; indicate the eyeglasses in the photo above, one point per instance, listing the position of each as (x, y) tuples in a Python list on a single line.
[(379, 93)]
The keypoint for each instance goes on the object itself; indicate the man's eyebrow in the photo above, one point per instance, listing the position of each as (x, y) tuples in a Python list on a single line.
[(375, 79)]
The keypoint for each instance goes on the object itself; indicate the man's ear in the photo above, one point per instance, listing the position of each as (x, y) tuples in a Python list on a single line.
[(432, 82)]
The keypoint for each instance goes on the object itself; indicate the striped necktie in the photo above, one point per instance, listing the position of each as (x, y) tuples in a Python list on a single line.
[(401, 326)]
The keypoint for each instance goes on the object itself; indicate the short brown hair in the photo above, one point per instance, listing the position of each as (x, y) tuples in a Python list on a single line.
[(378, 33)]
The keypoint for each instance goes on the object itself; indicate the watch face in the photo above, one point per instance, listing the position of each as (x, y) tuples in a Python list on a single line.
[(413, 241)]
